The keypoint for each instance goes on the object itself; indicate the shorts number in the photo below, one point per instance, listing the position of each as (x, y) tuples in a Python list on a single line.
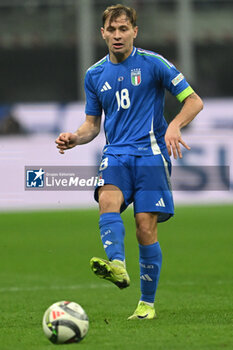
[(123, 100), (103, 164)]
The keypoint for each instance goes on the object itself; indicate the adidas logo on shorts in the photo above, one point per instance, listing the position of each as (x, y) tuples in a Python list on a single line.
[(160, 203)]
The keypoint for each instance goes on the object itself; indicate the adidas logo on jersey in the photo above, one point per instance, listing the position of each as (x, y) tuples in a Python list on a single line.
[(160, 203), (106, 87)]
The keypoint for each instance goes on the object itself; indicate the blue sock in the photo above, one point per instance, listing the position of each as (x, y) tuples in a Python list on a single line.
[(150, 259), (112, 234)]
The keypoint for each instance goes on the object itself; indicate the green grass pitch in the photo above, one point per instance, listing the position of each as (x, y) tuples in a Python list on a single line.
[(44, 258)]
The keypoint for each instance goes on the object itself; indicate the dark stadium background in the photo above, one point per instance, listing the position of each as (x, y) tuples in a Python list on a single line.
[(40, 43)]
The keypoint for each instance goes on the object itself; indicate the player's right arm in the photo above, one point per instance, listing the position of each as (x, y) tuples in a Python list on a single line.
[(85, 133)]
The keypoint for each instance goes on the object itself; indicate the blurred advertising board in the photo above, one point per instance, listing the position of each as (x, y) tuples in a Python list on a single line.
[(30, 159)]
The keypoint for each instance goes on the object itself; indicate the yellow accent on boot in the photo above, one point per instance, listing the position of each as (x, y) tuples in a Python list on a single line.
[(143, 312), (113, 271)]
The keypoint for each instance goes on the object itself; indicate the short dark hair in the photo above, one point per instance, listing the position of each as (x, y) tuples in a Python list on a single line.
[(115, 11)]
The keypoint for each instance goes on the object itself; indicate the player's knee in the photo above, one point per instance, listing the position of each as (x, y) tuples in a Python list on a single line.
[(146, 234), (109, 202)]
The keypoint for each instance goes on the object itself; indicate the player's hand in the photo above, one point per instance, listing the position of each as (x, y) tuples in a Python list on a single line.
[(66, 141), (173, 140)]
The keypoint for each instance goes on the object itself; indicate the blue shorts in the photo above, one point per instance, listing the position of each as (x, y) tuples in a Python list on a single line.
[(143, 180)]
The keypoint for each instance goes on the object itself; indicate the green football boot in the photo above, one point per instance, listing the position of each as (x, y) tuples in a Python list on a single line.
[(113, 271), (143, 312)]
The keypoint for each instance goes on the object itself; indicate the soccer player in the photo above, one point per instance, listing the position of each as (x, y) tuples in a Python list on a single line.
[(128, 85)]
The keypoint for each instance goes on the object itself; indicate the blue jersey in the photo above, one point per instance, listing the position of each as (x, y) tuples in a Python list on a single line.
[(131, 94)]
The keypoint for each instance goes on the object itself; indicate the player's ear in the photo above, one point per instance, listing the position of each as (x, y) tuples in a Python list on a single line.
[(102, 32), (135, 32)]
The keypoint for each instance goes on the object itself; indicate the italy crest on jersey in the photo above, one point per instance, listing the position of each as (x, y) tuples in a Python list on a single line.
[(136, 76)]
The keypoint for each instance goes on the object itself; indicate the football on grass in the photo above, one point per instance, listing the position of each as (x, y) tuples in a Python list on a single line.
[(65, 322)]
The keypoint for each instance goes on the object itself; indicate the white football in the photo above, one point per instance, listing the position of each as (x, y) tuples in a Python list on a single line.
[(65, 322)]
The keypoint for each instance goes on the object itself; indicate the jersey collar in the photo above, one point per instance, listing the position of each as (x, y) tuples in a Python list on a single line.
[(131, 55)]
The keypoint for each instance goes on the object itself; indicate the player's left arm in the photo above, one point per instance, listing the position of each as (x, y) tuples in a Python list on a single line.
[(193, 104)]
